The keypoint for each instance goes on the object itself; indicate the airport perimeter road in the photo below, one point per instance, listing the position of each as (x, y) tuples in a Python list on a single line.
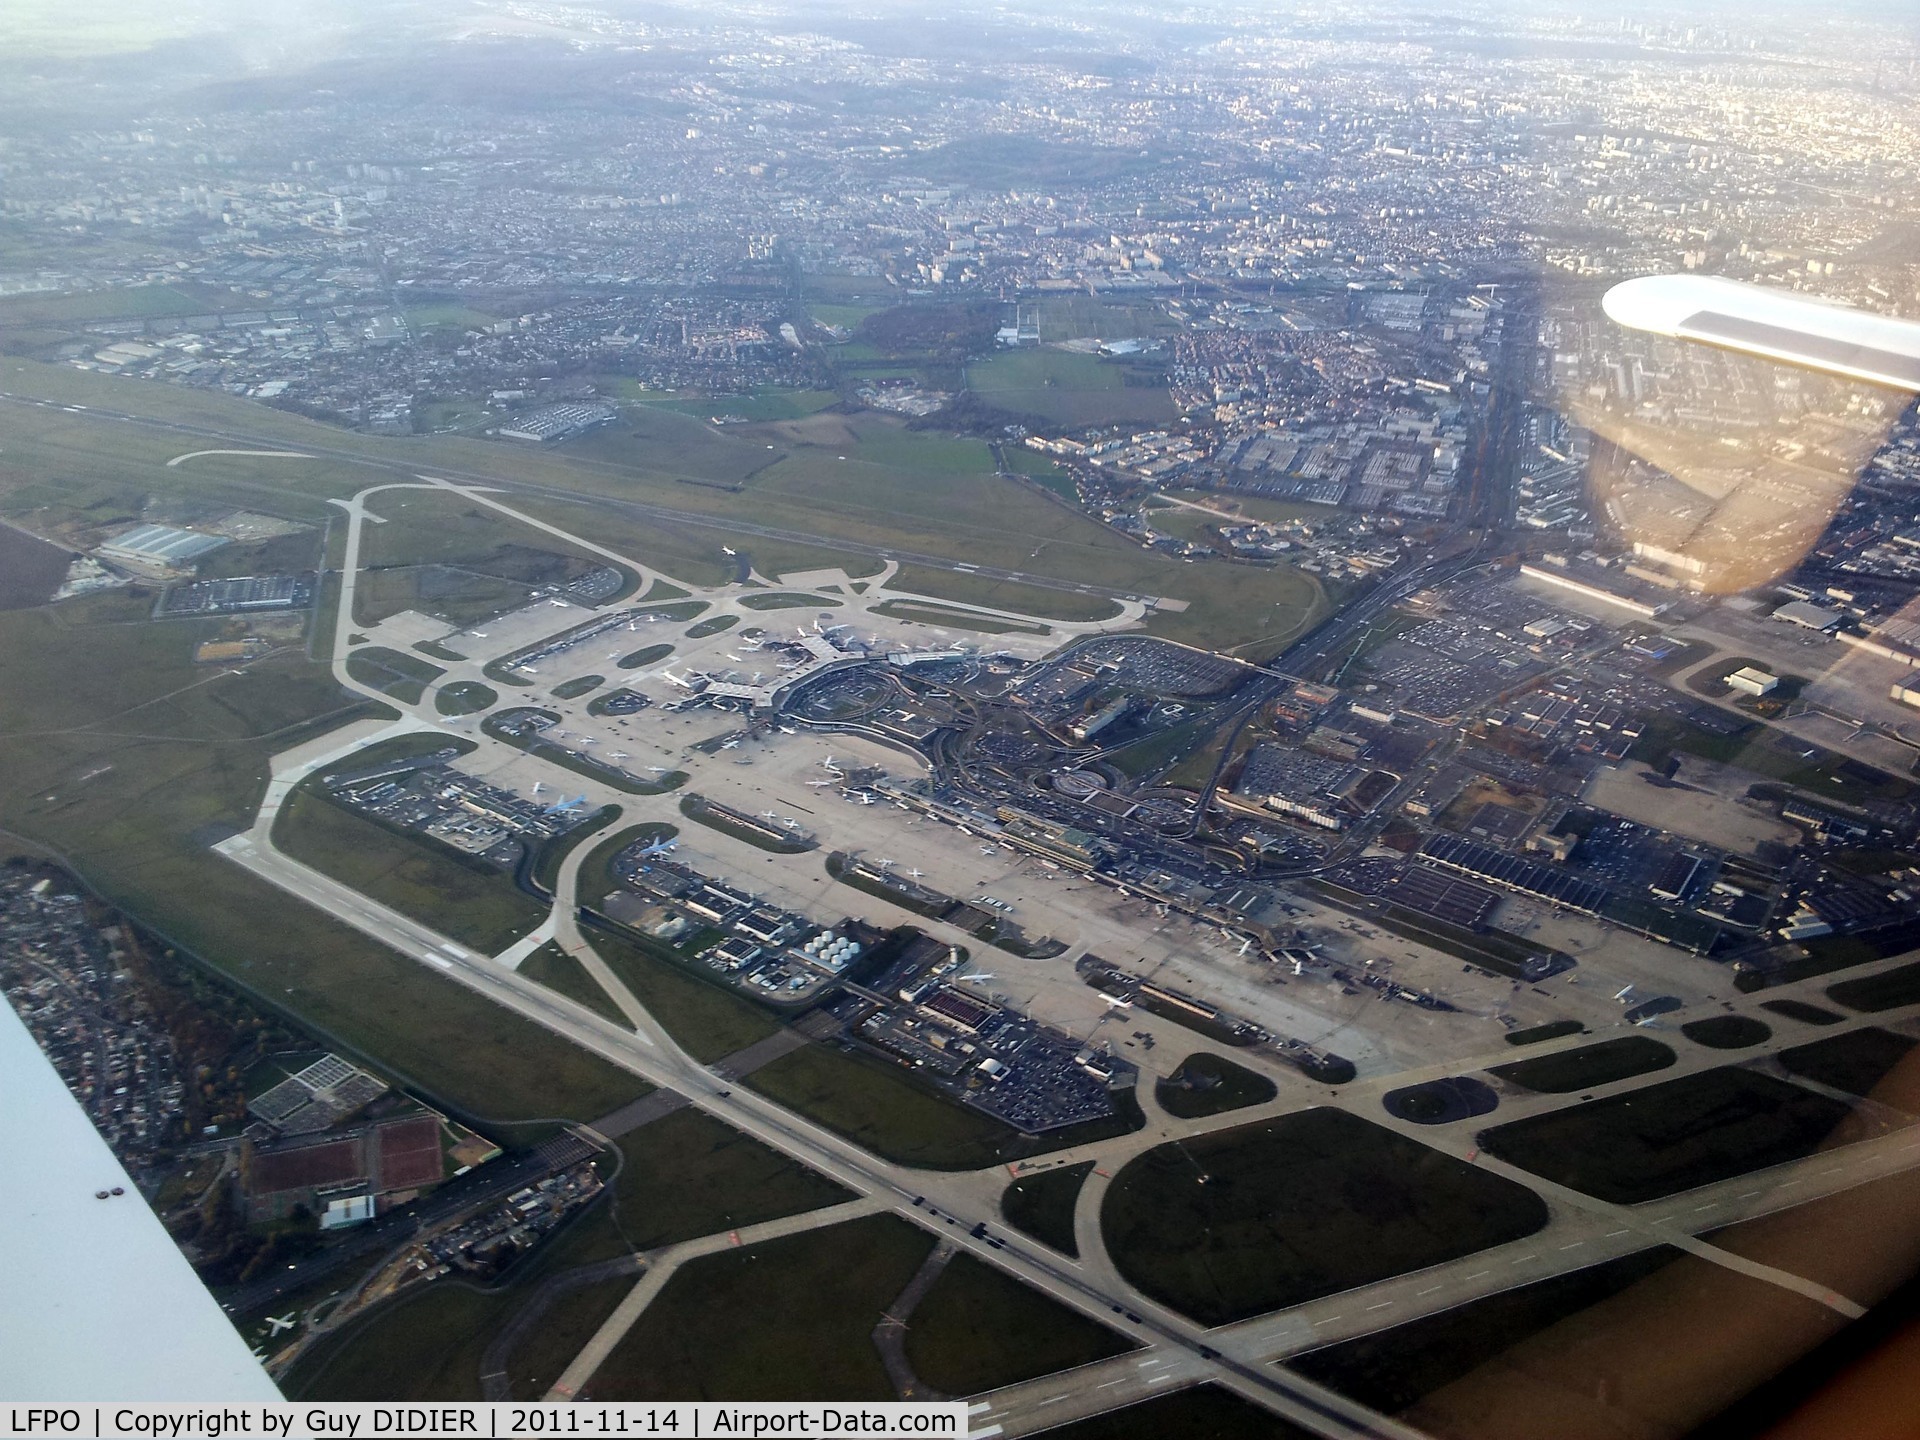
[(637, 508)]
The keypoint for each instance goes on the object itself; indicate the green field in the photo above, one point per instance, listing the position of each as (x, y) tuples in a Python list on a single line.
[(449, 316), (580, 684), (978, 1329), (92, 684), (1210, 1085), (1886, 991), (427, 1345), (788, 600), (1042, 1205), (712, 625), (883, 494), (1235, 1223), (561, 973), (706, 1018), (1855, 1061), (1539, 1034), (136, 302), (1390, 1369), (646, 655), (876, 1105), (404, 677), (1068, 388), (689, 1175), (465, 697), (788, 1319), (466, 898), (683, 1176), (1759, 749), (1661, 1139), (1726, 1032), (1590, 1065)]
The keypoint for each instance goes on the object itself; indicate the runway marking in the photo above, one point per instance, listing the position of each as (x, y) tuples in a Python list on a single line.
[(1523, 1259), (1161, 1380), (1479, 1274), (1428, 1291), (1749, 1195), (1056, 1400), (1574, 1246), (1383, 1305), (1615, 1234), (1328, 1321), (1710, 1205)]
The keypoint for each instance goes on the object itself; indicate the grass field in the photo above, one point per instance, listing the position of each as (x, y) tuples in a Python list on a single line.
[(646, 655), (466, 898), (30, 569), (92, 684), (465, 697), (789, 1319), (978, 1329), (1590, 1065), (1759, 749), (404, 677), (1726, 1032), (1210, 1085), (135, 302), (1855, 1061), (1233, 1224), (1539, 1034), (882, 494), (713, 625), (1885, 991), (874, 1104), (707, 1020), (421, 318), (689, 1175), (1674, 1136), (1391, 1369), (561, 973), (580, 684), (1042, 1205), (1067, 387), (1800, 1010), (788, 600)]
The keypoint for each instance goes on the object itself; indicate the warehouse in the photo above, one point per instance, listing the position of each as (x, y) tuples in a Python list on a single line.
[(158, 549)]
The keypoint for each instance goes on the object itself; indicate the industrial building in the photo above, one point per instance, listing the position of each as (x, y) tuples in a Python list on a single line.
[(1809, 616), (158, 549), (1751, 681)]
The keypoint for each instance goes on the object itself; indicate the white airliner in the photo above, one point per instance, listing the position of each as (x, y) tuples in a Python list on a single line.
[(1778, 325)]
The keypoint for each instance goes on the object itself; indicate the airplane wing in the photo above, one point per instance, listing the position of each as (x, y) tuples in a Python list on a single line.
[(101, 1305), (1773, 324)]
